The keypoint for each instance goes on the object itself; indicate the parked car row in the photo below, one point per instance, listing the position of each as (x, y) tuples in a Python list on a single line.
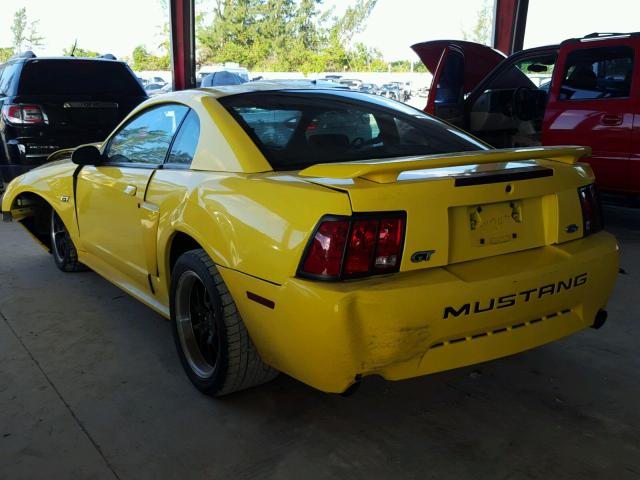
[(400, 91)]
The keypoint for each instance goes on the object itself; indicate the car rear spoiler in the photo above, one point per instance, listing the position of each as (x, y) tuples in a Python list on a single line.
[(387, 171)]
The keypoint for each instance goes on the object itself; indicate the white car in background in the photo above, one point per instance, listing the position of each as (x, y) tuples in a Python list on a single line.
[(227, 67)]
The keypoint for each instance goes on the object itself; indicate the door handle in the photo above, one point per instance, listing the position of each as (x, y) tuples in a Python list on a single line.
[(130, 190), (611, 120)]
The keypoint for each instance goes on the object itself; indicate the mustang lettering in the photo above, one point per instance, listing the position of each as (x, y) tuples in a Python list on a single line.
[(511, 299)]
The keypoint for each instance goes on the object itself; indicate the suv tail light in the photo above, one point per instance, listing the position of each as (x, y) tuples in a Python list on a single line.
[(24, 114), (348, 247), (591, 210)]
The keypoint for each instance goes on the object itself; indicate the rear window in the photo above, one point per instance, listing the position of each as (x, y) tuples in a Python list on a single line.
[(77, 77), (593, 73), (296, 129)]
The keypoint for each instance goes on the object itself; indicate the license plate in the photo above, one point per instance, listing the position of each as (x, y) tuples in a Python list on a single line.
[(495, 223)]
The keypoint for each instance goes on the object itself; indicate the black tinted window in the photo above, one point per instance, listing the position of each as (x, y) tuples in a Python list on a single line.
[(8, 74), (296, 129), (272, 126), (77, 77), (592, 73), (147, 137), (450, 83), (184, 147)]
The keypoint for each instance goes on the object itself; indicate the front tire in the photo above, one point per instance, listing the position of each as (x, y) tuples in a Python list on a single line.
[(63, 250), (213, 344)]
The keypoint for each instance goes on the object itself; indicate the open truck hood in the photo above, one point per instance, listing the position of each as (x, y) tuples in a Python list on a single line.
[(479, 59), (457, 68)]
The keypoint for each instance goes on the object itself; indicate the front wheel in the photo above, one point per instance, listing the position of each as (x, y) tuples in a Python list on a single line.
[(213, 344), (63, 250)]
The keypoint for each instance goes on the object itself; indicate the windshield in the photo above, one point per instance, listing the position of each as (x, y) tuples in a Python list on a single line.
[(78, 77), (295, 129)]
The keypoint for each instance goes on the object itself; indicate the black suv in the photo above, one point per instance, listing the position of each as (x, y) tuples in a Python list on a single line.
[(51, 103)]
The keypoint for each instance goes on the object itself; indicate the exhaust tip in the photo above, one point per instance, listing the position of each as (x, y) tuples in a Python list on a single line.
[(601, 318)]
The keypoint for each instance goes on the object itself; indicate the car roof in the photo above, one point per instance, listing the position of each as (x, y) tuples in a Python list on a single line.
[(66, 58), (61, 59), (266, 86)]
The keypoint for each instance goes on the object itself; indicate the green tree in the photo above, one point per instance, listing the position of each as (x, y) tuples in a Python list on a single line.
[(6, 53), (481, 31), (364, 59), (144, 60), (420, 67), (25, 34), (285, 35), (75, 51)]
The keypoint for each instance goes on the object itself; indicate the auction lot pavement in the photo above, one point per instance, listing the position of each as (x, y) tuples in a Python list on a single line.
[(91, 387)]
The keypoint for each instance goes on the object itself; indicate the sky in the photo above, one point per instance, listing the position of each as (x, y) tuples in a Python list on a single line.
[(118, 26)]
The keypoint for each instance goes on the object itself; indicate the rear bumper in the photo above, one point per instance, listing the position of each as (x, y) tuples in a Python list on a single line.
[(415, 323), (26, 153)]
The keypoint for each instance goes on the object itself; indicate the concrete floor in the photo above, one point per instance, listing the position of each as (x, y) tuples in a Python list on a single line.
[(90, 387)]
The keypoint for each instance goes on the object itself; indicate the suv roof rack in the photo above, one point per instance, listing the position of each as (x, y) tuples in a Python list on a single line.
[(597, 36), (604, 34)]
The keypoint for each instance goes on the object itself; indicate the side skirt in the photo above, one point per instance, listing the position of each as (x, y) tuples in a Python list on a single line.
[(112, 275)]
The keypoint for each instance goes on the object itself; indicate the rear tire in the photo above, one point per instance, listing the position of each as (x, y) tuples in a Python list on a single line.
[(212, 342), (63, 250)]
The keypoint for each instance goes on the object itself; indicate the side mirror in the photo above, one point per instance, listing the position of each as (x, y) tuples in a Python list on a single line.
[(86, 155)]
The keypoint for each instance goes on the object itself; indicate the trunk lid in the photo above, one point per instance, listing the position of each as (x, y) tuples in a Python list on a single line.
[(467, 206)]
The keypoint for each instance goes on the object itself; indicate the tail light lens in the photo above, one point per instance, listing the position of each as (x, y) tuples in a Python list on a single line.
[(591, 210), (23, 114), (324, 255), (354, 247)]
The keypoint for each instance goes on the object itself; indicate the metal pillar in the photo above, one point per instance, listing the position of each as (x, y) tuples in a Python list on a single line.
[(183, 43), (509, 22)]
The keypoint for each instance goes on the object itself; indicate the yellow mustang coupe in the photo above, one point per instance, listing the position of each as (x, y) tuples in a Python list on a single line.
[(326, 234)]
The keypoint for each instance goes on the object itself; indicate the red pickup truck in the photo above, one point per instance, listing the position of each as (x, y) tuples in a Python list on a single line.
[(585, 91)]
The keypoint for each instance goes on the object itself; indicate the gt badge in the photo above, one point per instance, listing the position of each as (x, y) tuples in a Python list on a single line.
[(423, 256)]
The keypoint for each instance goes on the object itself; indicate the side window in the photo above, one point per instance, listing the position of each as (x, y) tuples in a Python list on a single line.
[(147, 137), (9, 71), (184, 147), (510, 110), (594, 73), (451, 81)]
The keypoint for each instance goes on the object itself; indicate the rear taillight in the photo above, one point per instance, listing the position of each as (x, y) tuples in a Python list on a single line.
[(591, 210), (348, 247), (23, 114)]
